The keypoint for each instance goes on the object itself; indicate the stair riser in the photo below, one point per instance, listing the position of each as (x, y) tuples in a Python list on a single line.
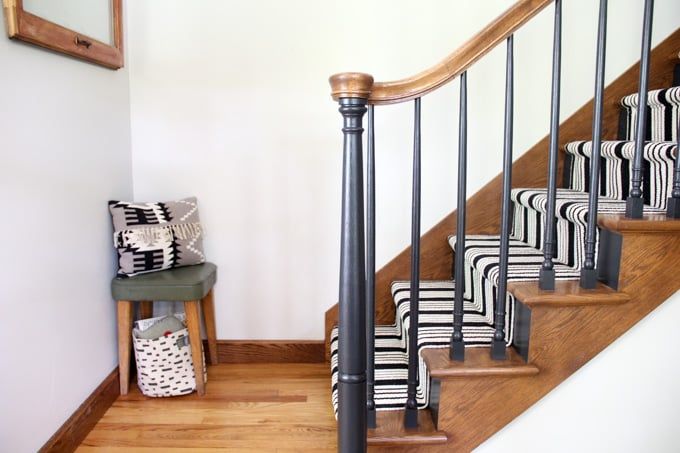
[(571, 212), (435, 331), (483, 294), (663, 113), (529, 227), (615, 170)]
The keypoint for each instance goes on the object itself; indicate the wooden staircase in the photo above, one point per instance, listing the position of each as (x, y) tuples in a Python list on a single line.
[(563, 329)]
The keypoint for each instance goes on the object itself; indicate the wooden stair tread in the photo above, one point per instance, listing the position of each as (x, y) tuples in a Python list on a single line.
[(567, 294), (649, 223), (391, 431), (478, 363)]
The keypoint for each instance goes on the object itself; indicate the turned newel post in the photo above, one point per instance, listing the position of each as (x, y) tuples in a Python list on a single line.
[(352, 90)]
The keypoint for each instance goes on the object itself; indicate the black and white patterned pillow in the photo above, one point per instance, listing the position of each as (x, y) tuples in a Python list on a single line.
[(156, 236)]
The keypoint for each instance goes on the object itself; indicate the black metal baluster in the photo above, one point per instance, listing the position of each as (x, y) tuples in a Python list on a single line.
[(588, 271), (411, 409), (635, 202), (352, 316), (370, 273), (498, 351), (673, 208), (457, 351), (547, 274)]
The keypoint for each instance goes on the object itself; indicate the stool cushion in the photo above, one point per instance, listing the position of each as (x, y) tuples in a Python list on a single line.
[(180, 284)]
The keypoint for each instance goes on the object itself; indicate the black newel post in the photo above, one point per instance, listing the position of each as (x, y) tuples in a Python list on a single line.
[(352, 426)]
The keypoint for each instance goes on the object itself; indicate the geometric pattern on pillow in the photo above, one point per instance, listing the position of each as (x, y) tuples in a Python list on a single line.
[(156, 236)]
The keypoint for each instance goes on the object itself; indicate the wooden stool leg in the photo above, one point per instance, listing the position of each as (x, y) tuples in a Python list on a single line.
[(124, 343), (145, 309), (194, 326), (208, 305)]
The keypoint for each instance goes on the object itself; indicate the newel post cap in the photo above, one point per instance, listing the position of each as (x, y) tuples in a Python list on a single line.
[(351, 85)]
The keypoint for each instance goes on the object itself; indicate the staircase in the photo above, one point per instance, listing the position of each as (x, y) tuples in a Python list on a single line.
[(568, 288)]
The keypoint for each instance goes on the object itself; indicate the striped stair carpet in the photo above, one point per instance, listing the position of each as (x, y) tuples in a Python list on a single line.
[(664, 107), (482, 253)]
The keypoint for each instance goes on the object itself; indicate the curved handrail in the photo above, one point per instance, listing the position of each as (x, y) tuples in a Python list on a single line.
[(359, 85)]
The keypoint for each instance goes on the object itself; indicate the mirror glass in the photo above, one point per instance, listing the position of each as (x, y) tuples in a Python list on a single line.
[(89, 17)]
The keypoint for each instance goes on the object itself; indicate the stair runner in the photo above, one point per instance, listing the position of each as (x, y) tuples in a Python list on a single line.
[(482, 253)]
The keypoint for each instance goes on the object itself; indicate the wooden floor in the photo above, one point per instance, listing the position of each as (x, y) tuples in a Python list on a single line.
[(280, 408)]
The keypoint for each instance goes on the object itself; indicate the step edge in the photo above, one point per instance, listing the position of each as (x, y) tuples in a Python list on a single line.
[(650, 224), (557, 300), (510, 370), (555, 303), (436, 438)]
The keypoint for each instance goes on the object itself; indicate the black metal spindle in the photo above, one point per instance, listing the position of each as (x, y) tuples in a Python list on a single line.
[(457, 351), (498, 351), (411, 409), (547, 274), (634, 203), (673, 208), (370, 272), (588, 271), (352, 311)]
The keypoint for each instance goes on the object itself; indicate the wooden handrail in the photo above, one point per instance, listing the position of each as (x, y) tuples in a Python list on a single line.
[(362, 86)]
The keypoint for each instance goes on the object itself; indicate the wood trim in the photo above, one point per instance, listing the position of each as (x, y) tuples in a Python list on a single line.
[(566, 294), (76, 428), (478, 363), (350, 85), (650, 223), (24, 26), (483, 208), (457, 62), (270, 351)]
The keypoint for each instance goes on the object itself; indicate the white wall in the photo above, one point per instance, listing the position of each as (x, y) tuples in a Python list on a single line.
[(230, 102), (65, 148), (625, 400)]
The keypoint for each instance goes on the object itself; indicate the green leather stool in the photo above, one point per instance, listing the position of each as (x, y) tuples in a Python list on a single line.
[(192, 285)]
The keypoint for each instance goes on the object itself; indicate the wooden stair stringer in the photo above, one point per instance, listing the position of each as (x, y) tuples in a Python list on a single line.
[(563, 339)]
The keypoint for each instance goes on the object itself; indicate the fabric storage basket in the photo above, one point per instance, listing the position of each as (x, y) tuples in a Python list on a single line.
[(164, 365)]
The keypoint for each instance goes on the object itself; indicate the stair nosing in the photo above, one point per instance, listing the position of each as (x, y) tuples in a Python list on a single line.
[(602, 295), (467, 370)]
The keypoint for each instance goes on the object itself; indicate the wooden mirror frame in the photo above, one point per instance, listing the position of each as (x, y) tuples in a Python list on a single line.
[(28, 27)]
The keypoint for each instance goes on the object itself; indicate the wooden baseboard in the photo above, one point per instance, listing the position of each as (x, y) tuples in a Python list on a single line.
[(76, 428), (270, 351)]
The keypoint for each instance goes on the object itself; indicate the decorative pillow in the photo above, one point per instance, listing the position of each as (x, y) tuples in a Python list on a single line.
[(155, 236)]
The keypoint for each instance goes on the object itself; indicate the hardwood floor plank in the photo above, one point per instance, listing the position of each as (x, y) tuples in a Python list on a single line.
[(247, 408)]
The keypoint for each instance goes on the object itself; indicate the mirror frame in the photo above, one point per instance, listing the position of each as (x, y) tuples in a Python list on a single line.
[(24, 26)]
